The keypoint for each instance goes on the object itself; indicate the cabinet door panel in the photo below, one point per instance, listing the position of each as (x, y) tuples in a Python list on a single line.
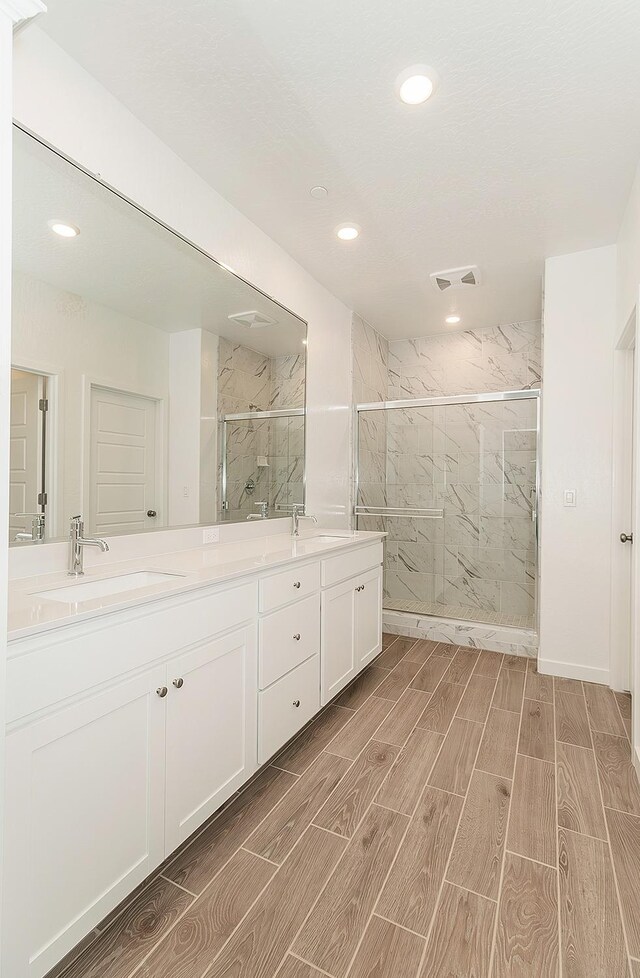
[(338, 650), (211, 729), (368, 617), (84, 822)]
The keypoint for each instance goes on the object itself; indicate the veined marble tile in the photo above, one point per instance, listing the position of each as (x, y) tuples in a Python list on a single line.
[(411, 586), (372, 467), (506, 500), (420, 558), (462, 530), (517, 599), (414, 495), (428, 469), (402, 439), (486, 563), (472, 592), (482, 412), (459, 499), (519, 440), (511, 338), (506, 533), (372, 495)]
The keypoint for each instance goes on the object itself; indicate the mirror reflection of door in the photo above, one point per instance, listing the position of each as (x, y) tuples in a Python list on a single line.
[(123, 475), (26, 480)]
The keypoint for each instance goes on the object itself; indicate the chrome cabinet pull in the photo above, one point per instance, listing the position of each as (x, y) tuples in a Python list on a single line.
[(296, 637), (178, 683), (162, 691), (296, 703), (296, 583), (626, 538)]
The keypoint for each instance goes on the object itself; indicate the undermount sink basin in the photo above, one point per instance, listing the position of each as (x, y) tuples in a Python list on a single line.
[(317, 542), (86, 590)]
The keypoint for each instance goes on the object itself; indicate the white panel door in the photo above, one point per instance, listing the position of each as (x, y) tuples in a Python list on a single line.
[(368, 617), (25, 478), (338, 661), (211, 729), (84, 818), (122, 488)]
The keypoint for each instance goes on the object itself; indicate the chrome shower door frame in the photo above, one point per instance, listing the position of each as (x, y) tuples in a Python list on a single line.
[(528, 394)]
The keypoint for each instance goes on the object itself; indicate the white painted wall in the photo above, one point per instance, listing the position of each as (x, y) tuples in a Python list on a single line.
[(628, 258), (62, 103), (80, 341), (577, 421), (184, 427), (11, 11)]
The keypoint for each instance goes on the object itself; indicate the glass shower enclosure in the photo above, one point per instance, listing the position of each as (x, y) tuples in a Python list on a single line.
[(262, 460), (454, 482)]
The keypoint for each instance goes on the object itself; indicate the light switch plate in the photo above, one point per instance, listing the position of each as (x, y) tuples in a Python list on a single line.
[(211, 534), (570, 497)]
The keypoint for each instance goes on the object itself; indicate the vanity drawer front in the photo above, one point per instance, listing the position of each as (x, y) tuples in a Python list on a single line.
[(280, 589), (336, 569), (287, 638), (68, 661), (278, 716)]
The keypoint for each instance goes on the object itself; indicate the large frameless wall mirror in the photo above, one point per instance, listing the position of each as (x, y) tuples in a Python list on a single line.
[(150, 386)]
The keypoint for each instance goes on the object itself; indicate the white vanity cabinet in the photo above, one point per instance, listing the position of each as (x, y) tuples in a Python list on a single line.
[(211, 730), (351, 617), (102, 787), (289, 656), (84, 818), (127, 730)]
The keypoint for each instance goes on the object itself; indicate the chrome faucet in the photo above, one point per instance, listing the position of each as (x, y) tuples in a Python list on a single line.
[(263, 514), (37, 527), (298, 514), (78, 543)]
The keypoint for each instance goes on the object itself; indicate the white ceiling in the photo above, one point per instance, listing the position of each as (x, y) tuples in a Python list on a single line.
[(124, 260), (527, 149)]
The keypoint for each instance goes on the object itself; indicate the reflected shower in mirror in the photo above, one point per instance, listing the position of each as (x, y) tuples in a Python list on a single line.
[(151, 387)]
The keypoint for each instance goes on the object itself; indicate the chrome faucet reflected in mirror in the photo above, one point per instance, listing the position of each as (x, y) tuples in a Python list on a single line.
[(263, 514), (37, 527), (298, 514), (78, 542)]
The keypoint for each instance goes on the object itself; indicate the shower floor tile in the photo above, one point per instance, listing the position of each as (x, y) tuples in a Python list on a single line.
[(460, 612)]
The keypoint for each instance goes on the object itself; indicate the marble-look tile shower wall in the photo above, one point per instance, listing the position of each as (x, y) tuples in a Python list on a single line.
[(250, 381), (475, 462)]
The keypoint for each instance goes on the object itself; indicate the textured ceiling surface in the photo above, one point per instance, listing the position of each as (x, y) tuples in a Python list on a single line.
[(124, 260), (527, 149)]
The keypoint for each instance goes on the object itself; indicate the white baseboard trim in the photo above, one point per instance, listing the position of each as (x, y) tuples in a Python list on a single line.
[(572, 670)]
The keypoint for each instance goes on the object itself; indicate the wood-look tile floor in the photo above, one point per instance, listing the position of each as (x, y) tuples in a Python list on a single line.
[(452, 814)]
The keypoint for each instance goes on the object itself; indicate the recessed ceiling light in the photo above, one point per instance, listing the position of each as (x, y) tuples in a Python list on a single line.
[(63, 229), (416, 84), (348, 232), (452, 320), (319, 193)]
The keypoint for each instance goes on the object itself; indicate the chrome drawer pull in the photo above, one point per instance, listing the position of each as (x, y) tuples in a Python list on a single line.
[(296, 583), (162, 691), (296, 703), (297, 637), (178, 683)]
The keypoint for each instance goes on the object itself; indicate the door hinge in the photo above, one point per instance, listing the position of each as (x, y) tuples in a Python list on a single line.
[(225, 504), (42, 499), (43, 404)]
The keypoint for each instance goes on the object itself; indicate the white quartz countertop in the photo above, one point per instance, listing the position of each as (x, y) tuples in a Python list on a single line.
[(31, 612)]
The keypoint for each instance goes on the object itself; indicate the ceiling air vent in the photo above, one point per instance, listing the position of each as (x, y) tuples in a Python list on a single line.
[(456, 278), (253, 319)]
